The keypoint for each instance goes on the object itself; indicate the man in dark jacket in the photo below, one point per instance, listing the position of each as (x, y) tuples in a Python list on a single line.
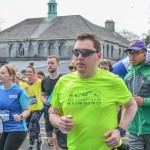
[(138, 82)]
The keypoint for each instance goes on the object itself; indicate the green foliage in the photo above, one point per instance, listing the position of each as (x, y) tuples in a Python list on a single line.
[(147, 40)]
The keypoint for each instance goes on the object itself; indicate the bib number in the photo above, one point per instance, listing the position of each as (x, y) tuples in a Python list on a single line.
[(4, 114), (33, 99)]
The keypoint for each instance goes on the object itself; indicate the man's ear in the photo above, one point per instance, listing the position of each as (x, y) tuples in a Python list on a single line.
[(145, 54), (99, 55)]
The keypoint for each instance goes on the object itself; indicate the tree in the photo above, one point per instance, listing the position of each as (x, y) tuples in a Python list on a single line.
[(146, 38), (128, 35)]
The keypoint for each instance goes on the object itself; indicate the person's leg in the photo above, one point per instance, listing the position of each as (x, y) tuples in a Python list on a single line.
[(48, 126), (55, 147), (38, 124), (136, 142), (27, 123), (61, 139), (147, 141), (38, 136), (3, 140), (32, 128), (14, 140)]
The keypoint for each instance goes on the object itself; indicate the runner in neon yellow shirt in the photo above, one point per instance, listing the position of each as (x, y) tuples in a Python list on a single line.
[(85, 103)]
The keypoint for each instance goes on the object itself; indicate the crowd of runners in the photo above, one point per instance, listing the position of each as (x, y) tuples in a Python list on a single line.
[(89, 108)]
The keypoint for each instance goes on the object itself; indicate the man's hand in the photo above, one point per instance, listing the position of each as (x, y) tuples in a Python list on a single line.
[(139, 100), (45, 101), (65, 123), (113, 139)]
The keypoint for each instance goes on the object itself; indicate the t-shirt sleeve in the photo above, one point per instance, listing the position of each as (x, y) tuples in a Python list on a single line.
[(24, 100), (123, 94), (42, 86), (50, 97), (55, 96)]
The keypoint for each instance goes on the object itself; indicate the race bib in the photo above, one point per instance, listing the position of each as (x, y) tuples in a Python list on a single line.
[(4, 114), (33, 99)]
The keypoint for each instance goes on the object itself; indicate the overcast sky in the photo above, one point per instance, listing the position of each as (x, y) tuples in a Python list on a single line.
[(131, 15)]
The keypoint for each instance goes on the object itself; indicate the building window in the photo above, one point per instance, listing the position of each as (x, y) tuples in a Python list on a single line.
[(12, 51), (51, 49), (123, 53), (107, 51), (41, 49), (119, 53), (62, 49), (112, 51), (21, 50), (31, 50), (103, 51)]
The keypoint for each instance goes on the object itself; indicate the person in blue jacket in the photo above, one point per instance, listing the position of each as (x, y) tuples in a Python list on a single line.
[(14, 109)]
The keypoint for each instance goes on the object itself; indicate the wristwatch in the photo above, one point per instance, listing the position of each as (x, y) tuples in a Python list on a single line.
[(122, 131)]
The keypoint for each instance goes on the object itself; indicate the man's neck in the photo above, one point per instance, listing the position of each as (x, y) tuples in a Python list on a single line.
[(88, 74), (54, 75)]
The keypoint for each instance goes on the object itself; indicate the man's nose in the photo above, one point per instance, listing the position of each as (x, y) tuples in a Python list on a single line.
[(80, 56)]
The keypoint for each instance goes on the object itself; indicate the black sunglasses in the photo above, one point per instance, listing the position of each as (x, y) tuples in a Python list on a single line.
[(71, 67), (84, 52)]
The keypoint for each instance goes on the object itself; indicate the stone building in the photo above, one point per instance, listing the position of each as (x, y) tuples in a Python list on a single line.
[(37, 38)]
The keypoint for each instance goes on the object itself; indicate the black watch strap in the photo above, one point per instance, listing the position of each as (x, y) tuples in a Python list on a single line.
[(122, 131)]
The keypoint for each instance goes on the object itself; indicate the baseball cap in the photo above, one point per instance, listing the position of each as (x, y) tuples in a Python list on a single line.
[(137, 45)]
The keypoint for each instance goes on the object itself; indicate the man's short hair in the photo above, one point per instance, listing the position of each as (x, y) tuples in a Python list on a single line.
[(105, 61), (54, 56), (41, 73), (92, 37)]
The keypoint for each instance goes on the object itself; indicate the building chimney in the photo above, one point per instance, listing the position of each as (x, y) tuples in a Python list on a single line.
[(110, 25)]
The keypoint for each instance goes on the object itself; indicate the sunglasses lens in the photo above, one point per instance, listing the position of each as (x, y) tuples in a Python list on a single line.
[(75, 53), (84, 52)]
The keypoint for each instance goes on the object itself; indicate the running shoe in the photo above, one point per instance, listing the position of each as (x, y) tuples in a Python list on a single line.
[(30, 148), (39, 144)]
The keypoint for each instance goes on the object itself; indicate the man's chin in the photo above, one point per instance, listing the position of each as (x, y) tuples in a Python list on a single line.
[(52, 71), (81, 71)]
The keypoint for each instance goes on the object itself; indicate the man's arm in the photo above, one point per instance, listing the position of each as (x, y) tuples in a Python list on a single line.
[(64, 123), (128, 114), (129, 111), (44, 99)]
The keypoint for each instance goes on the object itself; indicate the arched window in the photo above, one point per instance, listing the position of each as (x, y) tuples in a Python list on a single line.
[(62, 49), (123, 53), (21, 50), (12, 51), (51, 49), (107, 51), (112, 51), (119, 53), (41, 49), (31, 50), (103, 51)]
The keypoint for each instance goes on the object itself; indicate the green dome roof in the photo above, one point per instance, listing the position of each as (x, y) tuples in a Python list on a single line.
[(52, 1)]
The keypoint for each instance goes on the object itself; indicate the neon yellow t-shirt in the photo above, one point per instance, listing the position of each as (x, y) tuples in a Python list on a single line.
[(34, 93), (93, 103)]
